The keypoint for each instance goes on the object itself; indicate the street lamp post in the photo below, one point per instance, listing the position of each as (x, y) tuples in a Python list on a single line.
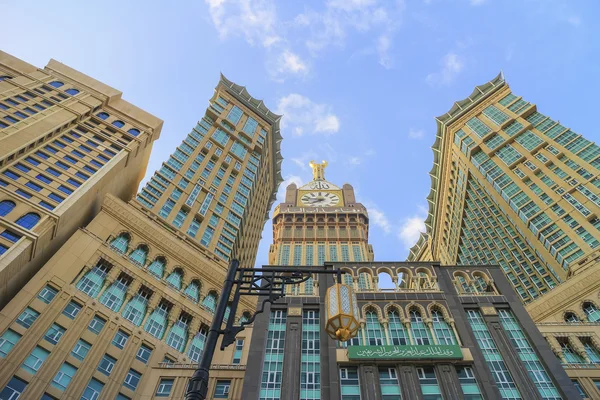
[(269, 283)]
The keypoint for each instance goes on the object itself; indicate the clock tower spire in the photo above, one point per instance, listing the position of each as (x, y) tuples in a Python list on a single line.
[(318, 170)]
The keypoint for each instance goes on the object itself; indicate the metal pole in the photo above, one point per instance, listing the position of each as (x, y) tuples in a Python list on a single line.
[(198, 387)]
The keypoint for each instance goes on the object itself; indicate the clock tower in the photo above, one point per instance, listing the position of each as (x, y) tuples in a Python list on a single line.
[(319, 222)]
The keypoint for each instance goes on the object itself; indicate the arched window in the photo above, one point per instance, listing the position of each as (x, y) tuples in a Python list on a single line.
[(6, 206), (591, 311), (193, 290), (570, 355), (244, 318), (114, 296), (197, 346), (118, 123), (102, 115), (121, 243), (463, 285), (177, 337), (420, 332), (5, 78), (174, 279), (443, 332), (93, 280), (404, 279), (373, 332), (135, 310), (157, 267), (56, 84), (364, 281), (134, 131), (72, 91), (479, 283), (139, 255), (210, 302), (226, 314), (348, 280), (157, 321), (571, 317), (396, 330), (28, 220)]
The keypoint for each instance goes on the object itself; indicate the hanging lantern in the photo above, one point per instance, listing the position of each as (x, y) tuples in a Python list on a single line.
[(342, 312)]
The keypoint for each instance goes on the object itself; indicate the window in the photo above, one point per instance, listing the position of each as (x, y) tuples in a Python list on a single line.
[(121, 243), (468, 383), (81, 349), (443, 331), (429, 384), (237, 354), (54, 333), (33, 186), (64, 376), (107, 364), (28, 220), (157, 322), (420, 332), (120, 339), (134, 132), (174, 279), (7, 341), (93, 389), (310, 373), (350, 384), (138, 256), (72, 309), (177, 337), (28, 317), (234, 115), (6, 206), (388, 381), (157, 267), (270, 386), (34, 362), (210, 302), (577, 385), (96, 324), (13, 389), (222, 389), (132, 379), (56, 84), (397, 331), (118, 123), (13, 237), (144, 353), (197, 345), (591, 311), (373, 332), (164, 387)]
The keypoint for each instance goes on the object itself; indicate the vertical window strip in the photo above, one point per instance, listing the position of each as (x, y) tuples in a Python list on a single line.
[(270, 386), (310, 374)]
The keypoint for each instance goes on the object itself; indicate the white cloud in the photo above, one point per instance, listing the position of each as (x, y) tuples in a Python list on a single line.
[(301, 115), (289, 62), (411, 228), (287, 180), (303, 160), (416, 133), (477, 2), (379, 219), (452, 64), (354, 160), (574, 20)]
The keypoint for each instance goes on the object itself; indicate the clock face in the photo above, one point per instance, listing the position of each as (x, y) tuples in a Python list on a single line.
[(320, 199)]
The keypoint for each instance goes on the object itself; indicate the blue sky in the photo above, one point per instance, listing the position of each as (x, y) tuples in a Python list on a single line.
[(359, 81)]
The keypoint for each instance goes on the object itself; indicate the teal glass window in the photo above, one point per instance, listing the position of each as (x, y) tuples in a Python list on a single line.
[(270, 385), (157, 322), (429, 384), (144, 353), (93, 280), (495, 115), (93, 390), (27, 317), (174, 279), (364, 281), (493, 357), (164, 387), (505, 101), (197, 345), (177, 337), (388, 384), (528, 356), (591, 350), (47, 294), (349, 383), (529, 140), (34, 362), (310, 372), (443, 332), (193, 291), (96, 324), (121, 243), (235, 114), (373, 330), (570, 355), (478, 127), (132, 379), (13, 389), (157, 267), (250, 126), (55, 332), (348, 279), (135, 310), (420, 332), (8, 340), (210, 302), (120, 339), (63, 377), (592, 312), (468, 383), (139, 255), (222, 389), (81, 349), (237, 354), (577, 385), (114, 296), (107, 364), (396, 329)]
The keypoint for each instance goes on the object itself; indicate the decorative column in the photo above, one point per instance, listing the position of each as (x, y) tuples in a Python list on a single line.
[(355, 283), (453, 325), (362, 331), (578, 347), (429, 324), (395, 282), (406, 323), (387, 334), (375, 280), (555, 346), (81, 273)]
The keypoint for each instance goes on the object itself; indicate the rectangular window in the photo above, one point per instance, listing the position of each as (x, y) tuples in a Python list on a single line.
[(234, 115), (237, 354), (107, 364), (96, 324), (92, 391), (468, 383), (270, 387), (388, 383), (222, 389), (14, 389), (64, 376), (310, 373), (495, 115), (47, 294), (54, 333), (71, 310), (7, 341), (429, 384), (164, 387), (35, 360), (27, 317), (120, 339), (349, 383), (132, 379), (81, 349)]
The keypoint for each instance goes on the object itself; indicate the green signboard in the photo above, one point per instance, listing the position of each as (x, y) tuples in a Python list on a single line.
[(432, 352)]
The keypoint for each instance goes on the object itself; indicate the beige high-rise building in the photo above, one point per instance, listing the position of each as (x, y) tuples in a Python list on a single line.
[(122, 310), (58, 158), (514, 187)]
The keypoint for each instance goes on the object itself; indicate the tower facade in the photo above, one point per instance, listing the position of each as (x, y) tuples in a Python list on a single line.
[(122, 310), (320, 222), (66, 140), (513, 187)]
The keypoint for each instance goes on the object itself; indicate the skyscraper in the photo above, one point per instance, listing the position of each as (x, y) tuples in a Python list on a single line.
[(66, 140), (513, 187), (123, 308)]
